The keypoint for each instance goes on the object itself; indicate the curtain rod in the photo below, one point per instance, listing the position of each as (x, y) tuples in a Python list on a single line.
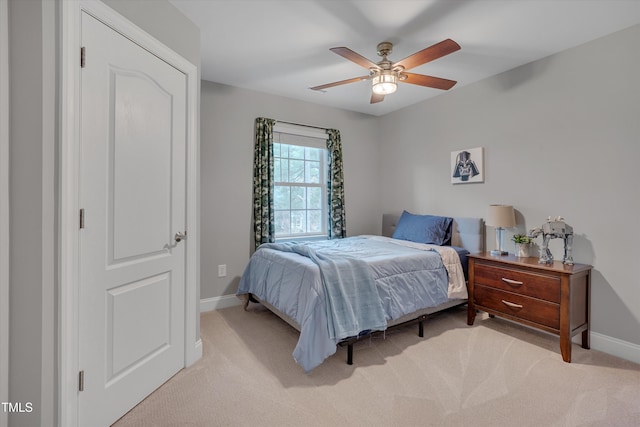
[(300, 124)]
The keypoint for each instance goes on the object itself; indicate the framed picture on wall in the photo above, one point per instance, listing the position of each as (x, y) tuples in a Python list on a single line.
[(467, 165)]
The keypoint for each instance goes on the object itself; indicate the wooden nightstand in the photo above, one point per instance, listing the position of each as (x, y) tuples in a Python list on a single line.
[(552, 297)]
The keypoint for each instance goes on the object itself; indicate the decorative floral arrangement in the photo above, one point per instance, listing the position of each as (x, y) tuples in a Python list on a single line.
[(522, 239), (523, 244)]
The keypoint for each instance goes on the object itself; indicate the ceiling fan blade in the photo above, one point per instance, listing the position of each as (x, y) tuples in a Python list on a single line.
[(375, 98), (429, 54), (352, 56), (429, 81), (341, 82)]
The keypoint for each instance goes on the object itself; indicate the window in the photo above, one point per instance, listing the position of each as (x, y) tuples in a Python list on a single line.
[(301, 171), (299, 199)]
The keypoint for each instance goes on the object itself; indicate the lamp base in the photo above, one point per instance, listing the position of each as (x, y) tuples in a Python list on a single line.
[(497, 252)]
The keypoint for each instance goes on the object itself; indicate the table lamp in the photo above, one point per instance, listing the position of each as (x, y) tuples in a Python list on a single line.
[(501, 217)]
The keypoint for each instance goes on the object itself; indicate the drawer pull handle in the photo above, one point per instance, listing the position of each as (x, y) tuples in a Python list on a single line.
[(512, 282), (511, 304)]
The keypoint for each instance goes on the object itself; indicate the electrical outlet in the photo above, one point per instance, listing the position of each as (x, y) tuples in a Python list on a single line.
[(222, 270)]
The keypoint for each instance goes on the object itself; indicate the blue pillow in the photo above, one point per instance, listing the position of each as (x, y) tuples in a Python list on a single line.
[(431, 229)]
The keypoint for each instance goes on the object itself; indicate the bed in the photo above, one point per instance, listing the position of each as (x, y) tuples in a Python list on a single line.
[(336, 292)]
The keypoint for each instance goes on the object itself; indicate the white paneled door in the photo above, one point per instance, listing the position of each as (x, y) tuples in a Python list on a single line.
[(132, 254)]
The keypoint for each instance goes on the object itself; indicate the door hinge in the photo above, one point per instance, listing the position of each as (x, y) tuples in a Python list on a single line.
[(81, 381), (82, 57), (82, 218)]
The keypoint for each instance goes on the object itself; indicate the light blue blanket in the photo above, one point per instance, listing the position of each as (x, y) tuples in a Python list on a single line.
[(406, 279), (353, 303)]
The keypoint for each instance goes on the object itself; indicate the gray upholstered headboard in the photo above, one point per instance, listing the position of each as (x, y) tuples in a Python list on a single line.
[(466, 232)]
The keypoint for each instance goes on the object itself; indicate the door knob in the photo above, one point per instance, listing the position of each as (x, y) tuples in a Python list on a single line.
[(180, 236)]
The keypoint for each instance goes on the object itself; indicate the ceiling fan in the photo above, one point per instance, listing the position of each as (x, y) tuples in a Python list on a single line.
[(386, 74)]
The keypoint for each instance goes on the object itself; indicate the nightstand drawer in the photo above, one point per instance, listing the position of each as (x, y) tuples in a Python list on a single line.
[(518, 281), (522, 307)]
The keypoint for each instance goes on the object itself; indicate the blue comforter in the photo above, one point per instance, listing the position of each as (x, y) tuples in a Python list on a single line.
[(353, 303), (338, 288)]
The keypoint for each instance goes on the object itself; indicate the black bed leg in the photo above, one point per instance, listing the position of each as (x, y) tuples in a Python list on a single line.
[(420, 329), (349, 354), (249, 299)]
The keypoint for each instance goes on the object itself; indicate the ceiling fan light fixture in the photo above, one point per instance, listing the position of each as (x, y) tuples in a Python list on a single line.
[(385, 82), (386, 74)]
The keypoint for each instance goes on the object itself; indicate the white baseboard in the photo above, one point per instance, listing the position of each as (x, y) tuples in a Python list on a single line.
[(615, 347), (217, 303)]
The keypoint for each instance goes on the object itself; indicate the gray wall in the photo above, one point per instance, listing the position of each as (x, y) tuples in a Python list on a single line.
[(560, 138), (165, 22), (32, 209), (227, 133), (33, 147)]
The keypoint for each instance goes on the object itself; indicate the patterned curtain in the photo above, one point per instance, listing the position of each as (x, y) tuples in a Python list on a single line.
[(263, 225), (335, 186)]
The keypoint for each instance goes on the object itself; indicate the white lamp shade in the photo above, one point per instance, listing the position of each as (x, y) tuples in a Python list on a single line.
[(501, 216)]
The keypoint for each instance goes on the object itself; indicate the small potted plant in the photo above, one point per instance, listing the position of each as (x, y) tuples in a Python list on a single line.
[(523, 243)]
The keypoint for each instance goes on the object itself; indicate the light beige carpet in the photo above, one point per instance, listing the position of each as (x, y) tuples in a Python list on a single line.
[(494, 373)]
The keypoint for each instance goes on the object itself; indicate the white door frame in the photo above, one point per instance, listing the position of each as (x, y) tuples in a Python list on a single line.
[(69, 192), (4, 209)]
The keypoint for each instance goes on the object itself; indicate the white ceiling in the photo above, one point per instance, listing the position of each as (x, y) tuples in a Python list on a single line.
[(281, 47)]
